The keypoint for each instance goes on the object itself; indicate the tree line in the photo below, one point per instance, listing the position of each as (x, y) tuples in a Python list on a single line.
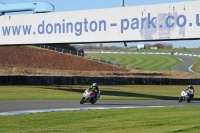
[(100, 46)]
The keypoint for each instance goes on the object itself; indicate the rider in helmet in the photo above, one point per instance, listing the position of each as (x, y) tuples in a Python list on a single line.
[(191, 90), (96, 89)]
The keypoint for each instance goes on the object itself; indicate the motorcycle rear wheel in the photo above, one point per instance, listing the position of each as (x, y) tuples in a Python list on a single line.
[(189, 100), (94, 101)]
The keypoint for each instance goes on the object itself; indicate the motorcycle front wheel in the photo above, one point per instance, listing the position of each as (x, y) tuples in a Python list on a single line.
[(82, 100), (180, 99)]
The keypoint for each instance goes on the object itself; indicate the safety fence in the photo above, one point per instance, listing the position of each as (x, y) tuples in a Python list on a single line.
[(81, 80), (78, 52), (113, 63)]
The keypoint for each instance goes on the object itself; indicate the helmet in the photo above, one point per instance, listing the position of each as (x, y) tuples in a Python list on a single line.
[(190, 87), (94, 85)]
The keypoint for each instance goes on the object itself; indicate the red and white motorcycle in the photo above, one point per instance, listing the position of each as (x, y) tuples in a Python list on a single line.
[(89, 97)]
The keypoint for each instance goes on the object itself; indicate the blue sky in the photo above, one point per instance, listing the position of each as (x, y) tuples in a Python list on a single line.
[(68, 5)]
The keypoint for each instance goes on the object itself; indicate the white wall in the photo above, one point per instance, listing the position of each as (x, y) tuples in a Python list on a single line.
[(140, 46), (163, 21)]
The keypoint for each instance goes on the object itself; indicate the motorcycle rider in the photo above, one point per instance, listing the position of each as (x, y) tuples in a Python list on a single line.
[(191, 91), (96, 89)]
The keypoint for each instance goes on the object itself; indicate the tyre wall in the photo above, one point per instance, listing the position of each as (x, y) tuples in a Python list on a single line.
[(60, 80)]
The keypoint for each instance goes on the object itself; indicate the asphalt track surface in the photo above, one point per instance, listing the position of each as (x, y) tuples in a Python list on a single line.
[(185, 65), (17, 105)]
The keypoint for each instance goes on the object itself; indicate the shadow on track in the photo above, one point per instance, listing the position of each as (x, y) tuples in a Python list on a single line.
[(118, 93)]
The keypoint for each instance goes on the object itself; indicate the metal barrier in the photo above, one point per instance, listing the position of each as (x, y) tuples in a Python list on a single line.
[(61, 50), (113, 63), (80, 53), (83, 54)]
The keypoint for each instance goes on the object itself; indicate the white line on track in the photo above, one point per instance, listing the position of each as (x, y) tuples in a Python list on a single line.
[(71, 109)]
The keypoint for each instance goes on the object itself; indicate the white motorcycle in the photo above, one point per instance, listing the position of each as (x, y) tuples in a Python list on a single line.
[(89, 97), (185, 96)]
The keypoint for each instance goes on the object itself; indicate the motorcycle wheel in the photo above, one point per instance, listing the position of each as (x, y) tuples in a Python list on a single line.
[(189, 100), (94, 101), (82, 100), (180, 100)]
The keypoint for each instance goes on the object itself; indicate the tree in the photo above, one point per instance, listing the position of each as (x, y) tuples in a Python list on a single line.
[(168, 45), (147, 46), (159, 45), (63, 46)]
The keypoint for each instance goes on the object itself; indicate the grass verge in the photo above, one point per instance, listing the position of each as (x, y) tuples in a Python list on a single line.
[(151, 120), (196, 67), (138, 61), (185, 51)]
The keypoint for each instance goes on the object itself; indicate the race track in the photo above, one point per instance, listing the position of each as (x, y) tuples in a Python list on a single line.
[(19, 106), (185, 65), (7, 106)]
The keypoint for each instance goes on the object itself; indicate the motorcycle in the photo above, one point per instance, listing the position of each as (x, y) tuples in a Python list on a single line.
[(185, 97), (89, 97)]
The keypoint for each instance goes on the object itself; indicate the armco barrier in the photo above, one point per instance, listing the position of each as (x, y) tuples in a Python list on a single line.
[(80, 80)]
